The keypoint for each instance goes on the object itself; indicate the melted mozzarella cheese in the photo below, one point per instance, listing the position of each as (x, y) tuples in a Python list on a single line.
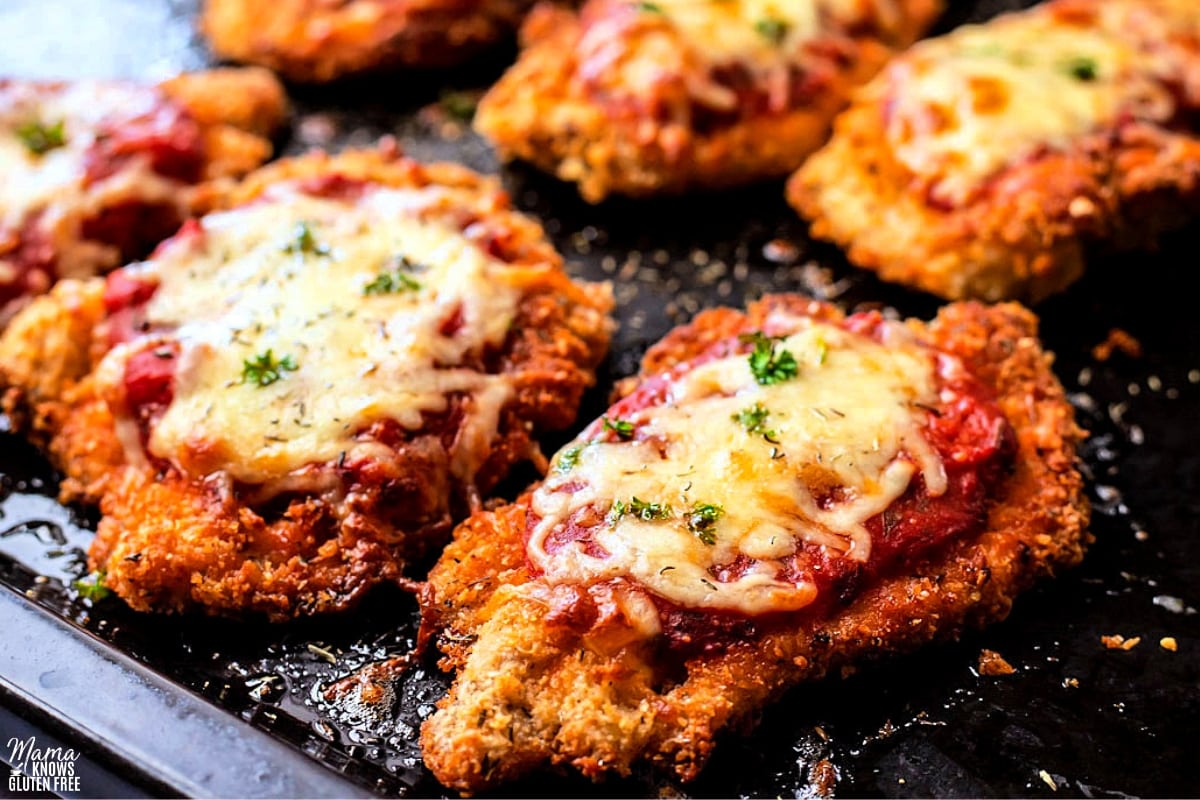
[(967, 104), (51, 184), (757, 31), (850, 421), (239, 291), (734, 30)]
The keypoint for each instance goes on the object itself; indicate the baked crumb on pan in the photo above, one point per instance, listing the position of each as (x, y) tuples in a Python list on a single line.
[(94, 173), (988, 163), (297, 395), (313, 41), (659, 98), (569, 652)]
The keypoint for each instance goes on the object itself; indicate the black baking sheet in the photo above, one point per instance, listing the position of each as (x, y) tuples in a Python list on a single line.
[(204, 707)]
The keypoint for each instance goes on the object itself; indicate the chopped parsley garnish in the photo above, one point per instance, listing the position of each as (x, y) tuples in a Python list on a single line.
[(754, 419), (459, 105), (91, 587), (396, 277), (772, 29), (768, 363), (303, 241), (647, 512), (649, 8), (702, 519), (1082, 68), (40, 138), (264, 369), (567, 459), (622, 428)]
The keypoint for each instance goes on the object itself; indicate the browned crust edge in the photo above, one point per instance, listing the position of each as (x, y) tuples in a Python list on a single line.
[(240, 110)]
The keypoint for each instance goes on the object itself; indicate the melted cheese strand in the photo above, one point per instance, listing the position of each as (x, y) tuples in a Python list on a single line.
[(849, 421), (236, 292)]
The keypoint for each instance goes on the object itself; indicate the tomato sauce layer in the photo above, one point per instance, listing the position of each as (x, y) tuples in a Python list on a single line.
[(818, 490)]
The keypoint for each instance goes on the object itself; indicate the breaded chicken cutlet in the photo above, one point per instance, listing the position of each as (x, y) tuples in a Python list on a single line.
[(297, 395), (316, 41), (95, 173), (990, 162), (779, 493), (638, 99)]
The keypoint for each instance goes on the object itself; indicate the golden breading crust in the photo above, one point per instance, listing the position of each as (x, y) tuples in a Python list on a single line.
[(529, 693), (314, 41), (240, 110), (168, 542), (543, 111), (1024, 239)]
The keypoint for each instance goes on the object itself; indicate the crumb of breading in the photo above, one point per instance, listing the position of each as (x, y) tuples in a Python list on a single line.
[(992, 663), (780, 251), (1119, 642), (1168, 643), (1117, 339), (822, 778)]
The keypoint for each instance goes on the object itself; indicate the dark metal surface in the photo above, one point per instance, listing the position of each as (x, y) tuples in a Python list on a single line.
[(180, 706)]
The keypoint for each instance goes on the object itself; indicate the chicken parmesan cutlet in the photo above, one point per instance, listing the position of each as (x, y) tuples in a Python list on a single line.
[(297, 395), (95, 173), (637, 98), (316, 41), (778, 494), (990, 162)]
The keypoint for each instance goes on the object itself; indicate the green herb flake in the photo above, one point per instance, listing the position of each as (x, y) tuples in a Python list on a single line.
[(459, 105), (702, 519), (768, 363), (622, 428), (264, 369), (643, 510), (40, 138), (1082, 68), (567, 459), (648, 8), (649, 512), (304, 242), (395, 277), (91, 587), (753, 419), (772, 29)]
